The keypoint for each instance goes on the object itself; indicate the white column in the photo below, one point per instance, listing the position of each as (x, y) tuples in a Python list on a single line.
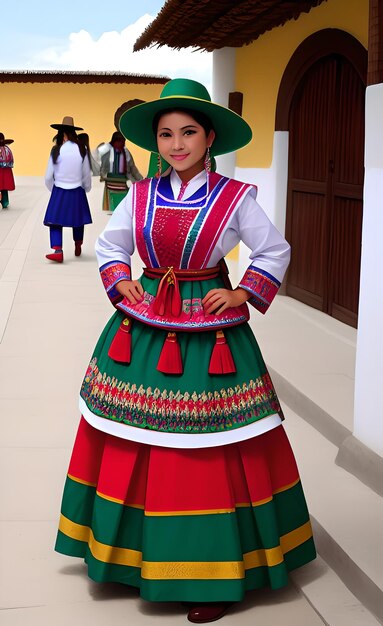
[(368, 416), (223, 84)]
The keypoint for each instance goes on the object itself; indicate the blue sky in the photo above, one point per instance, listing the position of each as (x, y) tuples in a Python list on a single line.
[(39, 17), (89, 35)]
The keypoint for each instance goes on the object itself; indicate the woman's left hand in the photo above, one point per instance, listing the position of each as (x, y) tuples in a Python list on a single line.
[(218, 300)]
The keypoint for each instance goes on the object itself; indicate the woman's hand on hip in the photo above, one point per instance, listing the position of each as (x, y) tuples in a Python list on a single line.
[(218, 300), (131, 289)]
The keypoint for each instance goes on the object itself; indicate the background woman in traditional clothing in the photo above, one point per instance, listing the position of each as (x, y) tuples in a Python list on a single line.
[(117, 167), (7, 182), (68, 177), (182, 482)]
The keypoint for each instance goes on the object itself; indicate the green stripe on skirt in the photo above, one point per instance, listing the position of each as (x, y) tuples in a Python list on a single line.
[(203, 557)]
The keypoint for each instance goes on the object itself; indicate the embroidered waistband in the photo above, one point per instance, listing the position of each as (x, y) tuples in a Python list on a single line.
[(167, 310)]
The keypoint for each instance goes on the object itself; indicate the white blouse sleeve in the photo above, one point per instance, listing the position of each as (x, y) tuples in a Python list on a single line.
[(49, 174), (114, 248), (270, 253)]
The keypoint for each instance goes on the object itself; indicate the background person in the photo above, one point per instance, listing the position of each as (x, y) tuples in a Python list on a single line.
[(7, 182), (68, 177), (117, 167)]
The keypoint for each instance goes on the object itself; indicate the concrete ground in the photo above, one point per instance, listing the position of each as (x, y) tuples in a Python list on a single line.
[(50, 318)]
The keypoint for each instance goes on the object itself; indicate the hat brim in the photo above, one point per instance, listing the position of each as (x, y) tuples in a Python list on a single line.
[(232, 132), (7, 141), (60, 126)]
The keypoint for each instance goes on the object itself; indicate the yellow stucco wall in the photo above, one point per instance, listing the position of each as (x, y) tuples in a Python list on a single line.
[(28, 109), (260, 67)]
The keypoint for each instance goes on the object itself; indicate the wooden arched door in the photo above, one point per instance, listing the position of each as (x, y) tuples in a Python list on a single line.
[(325, 187)]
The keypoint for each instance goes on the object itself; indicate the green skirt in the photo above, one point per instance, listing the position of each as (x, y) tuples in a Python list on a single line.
[(115, 190), (139, 395), (195, 401)]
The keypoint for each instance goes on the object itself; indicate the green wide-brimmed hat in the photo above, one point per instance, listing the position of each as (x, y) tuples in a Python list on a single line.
[(232, 132)]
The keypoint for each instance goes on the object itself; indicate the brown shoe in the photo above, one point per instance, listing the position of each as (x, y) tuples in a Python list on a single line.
[(77, 248), (208, 612)]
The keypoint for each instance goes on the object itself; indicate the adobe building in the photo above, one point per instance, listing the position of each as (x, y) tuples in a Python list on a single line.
[(36, 99)]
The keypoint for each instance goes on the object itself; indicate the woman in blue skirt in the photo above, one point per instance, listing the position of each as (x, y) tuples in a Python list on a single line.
[(68, 177)]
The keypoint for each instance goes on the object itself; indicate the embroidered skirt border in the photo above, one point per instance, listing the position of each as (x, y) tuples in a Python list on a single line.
[(138, 395)]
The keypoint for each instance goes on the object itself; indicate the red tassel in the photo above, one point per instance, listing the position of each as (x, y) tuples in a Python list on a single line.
[(221, 361), (170, 361), (121, 347), (168, 297)]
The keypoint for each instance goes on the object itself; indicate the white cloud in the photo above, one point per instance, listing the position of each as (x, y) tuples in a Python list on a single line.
[(113, 51)]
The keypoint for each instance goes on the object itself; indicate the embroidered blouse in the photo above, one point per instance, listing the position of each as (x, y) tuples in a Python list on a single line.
[(132, 225), (200, 222)]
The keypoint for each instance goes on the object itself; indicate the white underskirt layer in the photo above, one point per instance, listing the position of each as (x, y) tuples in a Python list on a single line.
[(179, 440)]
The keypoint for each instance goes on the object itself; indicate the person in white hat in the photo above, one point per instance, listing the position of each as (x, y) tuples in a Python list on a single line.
[(68, 177)]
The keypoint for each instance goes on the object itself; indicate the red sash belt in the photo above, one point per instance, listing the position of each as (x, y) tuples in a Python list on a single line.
[(168, 297), (208, 272)]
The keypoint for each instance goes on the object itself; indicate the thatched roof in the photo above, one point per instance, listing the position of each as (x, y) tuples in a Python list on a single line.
[(212, 24), (51, 76)]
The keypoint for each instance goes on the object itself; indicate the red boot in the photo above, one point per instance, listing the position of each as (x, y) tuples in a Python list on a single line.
[(77, 248), (57, 255)]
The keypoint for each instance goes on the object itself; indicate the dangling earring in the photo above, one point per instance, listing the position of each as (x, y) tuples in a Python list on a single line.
[(159, 166), (207, 162)]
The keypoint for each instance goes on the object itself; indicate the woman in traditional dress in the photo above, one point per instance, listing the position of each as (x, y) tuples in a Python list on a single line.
[(7, 182), (68, 177), (117, 167), (182, 482)]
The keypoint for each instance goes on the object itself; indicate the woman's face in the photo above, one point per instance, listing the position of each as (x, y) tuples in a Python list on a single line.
[(182, 142)]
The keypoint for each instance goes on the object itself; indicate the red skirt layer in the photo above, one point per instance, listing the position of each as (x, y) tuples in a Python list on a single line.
[(167, 479), (196, 525), (7, 182)]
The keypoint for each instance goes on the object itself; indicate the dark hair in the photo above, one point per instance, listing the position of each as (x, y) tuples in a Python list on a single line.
[(59, 140), (117, 136), (199, 117), (83, 140)]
